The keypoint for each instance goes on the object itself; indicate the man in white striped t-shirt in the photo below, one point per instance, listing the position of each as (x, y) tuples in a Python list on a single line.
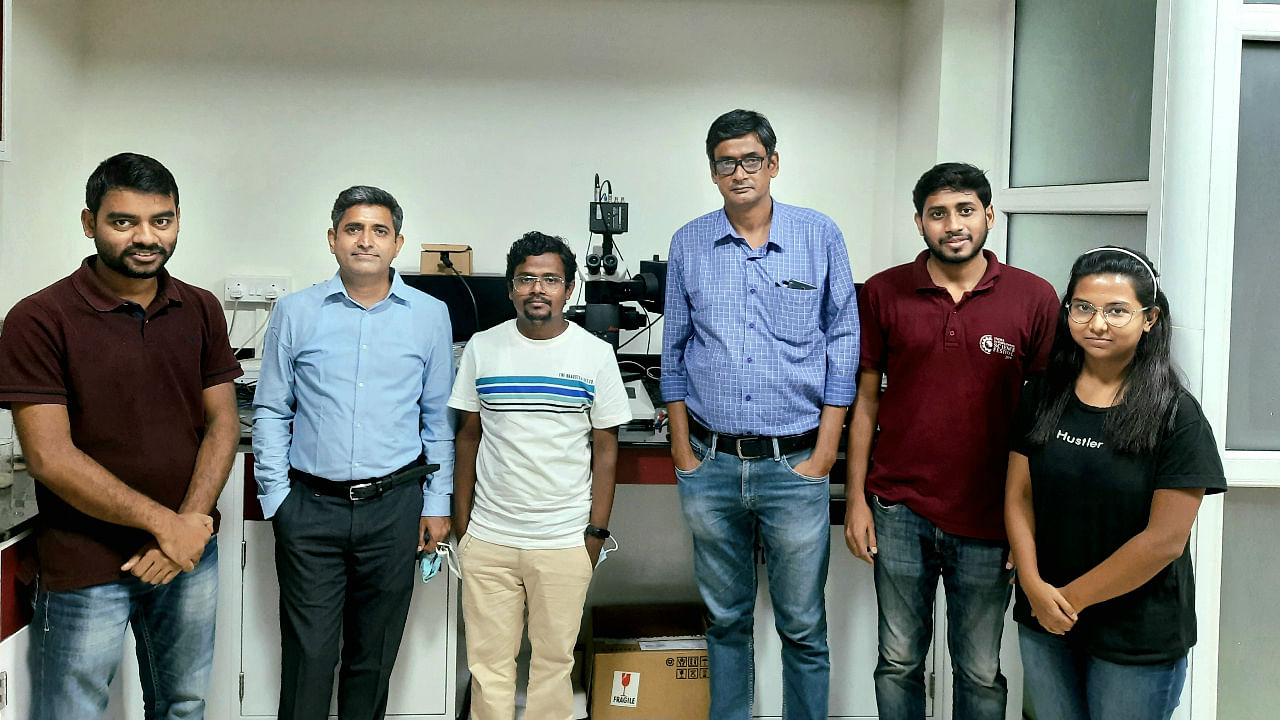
[(540, 401)]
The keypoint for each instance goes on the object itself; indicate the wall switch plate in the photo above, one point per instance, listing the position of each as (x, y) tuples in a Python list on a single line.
[(254, 288)]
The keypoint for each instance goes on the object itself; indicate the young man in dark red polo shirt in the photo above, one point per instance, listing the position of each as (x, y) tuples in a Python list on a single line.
[(119, 377), (955, 333)]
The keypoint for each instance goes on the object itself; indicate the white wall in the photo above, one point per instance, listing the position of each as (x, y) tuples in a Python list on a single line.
[(42, 185), (918, 97), (955, 56), (485, 119)]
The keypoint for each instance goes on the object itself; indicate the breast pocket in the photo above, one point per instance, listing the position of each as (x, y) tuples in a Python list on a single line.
[(793, 315)]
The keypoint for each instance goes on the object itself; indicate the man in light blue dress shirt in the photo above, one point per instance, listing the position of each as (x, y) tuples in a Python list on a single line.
[(759, 359), (349, 415)]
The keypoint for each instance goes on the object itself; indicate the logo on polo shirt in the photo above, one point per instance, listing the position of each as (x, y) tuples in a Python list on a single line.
[(991, 344)]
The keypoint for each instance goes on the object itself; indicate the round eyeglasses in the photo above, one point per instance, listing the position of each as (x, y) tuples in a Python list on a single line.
[(1117, 316), (728, 166), (526, 282)]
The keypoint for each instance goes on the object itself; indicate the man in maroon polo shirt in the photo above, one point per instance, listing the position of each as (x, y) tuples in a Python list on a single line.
[(954, 333), (119, 377)]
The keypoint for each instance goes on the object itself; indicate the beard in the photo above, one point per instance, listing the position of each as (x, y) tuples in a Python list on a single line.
[(541, 315), (943, 255), (119, 262)]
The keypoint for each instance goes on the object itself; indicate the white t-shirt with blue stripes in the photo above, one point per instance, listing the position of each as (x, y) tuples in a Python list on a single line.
[(538, 402)]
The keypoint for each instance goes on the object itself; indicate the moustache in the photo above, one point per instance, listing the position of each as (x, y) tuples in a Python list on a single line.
[(157, 249)]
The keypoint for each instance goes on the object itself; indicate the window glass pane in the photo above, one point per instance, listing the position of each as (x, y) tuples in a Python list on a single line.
[(1082, 79), (1253, 380), (1250, 632), (1047, 245)]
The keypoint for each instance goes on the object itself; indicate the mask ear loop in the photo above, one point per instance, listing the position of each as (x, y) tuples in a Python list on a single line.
[(604, 552), (446, 551)]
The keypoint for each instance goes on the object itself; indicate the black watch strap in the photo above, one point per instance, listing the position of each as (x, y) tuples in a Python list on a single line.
[(597, 532)]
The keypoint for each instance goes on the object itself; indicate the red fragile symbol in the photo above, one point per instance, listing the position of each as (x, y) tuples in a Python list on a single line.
[(626, 680)]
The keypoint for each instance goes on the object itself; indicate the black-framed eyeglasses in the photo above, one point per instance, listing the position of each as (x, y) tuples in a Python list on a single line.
[(729, 166), (1117, 316), (526, 282)]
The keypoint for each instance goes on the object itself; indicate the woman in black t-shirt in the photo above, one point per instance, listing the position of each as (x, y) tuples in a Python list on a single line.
[(1111, 458)]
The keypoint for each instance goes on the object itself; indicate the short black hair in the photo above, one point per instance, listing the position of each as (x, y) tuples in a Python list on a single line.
[(128, 171), (960, 177), (366, 195), (737, 123), (536, 243)]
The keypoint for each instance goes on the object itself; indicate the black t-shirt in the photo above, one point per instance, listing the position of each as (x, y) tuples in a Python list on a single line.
[(1088, 501)]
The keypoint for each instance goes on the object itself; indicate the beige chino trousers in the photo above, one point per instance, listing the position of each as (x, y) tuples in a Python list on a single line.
[(497, 584)]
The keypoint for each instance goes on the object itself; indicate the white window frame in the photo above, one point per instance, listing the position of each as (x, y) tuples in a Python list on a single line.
[(1237, 23), (1185, 133), (1116, 198)]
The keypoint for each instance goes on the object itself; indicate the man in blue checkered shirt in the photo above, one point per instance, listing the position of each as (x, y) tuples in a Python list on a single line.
[(759, 359)]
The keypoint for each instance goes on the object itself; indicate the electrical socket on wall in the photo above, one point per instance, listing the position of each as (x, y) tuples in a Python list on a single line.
[(254, 288)]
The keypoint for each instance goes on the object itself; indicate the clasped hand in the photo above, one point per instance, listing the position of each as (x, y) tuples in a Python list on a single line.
[(1050, 607), (177, 548)]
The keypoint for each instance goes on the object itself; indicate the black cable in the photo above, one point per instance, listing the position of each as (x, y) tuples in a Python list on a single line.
[(633, 337), (581, 274), (474, 307)]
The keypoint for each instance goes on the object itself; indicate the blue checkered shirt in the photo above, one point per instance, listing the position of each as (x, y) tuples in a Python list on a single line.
[(744, 345)]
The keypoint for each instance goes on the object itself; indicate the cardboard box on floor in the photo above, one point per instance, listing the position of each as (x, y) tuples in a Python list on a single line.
[(649, 661), (459, 255)]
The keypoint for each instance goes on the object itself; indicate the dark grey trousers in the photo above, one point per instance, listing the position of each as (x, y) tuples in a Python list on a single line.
[(346, 569)]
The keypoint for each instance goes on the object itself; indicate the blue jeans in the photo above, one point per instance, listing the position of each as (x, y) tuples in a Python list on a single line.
[(728, 503), (1066, 683), (912, 554), (77, 641)]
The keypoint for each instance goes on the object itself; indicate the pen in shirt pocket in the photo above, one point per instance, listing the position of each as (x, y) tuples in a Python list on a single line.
[(796, 285)]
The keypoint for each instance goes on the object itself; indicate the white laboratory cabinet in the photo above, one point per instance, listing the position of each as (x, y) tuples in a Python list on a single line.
[(423, 684), (851, 635), (655, 564), (15, 678)]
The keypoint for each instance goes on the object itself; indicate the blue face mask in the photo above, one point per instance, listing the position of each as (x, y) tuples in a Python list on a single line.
[(429, 564)]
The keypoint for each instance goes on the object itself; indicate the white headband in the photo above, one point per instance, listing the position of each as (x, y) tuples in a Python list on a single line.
[(1133, 255)]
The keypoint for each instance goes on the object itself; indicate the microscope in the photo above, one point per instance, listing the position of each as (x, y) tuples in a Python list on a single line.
[(606, 285)]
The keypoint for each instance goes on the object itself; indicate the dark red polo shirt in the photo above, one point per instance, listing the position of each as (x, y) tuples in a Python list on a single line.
[(132, 383), (954, 373)]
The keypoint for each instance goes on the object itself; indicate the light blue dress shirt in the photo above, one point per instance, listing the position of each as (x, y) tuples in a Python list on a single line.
[(366, 391), (756, 341)]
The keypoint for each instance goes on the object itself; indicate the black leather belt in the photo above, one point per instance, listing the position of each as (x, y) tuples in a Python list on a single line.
[(750, 447), (364, 489)]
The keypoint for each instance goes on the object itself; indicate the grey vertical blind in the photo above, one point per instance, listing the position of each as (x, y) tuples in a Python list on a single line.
[(1253, 379)]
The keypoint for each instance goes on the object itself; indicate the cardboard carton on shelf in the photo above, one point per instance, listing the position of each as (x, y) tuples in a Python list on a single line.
[(433, 255), (648, 661)]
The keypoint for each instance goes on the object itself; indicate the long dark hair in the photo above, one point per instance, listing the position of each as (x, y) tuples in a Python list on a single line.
[(1151, 386)]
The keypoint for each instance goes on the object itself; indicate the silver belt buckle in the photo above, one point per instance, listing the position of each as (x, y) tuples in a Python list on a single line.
[(351, 492), (738, 442)]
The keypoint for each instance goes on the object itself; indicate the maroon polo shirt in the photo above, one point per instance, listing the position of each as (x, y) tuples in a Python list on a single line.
[(954, 373), (133, 383)]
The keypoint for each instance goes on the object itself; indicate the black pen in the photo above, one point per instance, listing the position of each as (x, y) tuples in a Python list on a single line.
[(796, 285)]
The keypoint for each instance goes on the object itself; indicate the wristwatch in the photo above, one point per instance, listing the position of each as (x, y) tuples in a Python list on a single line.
[(597, 532)]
